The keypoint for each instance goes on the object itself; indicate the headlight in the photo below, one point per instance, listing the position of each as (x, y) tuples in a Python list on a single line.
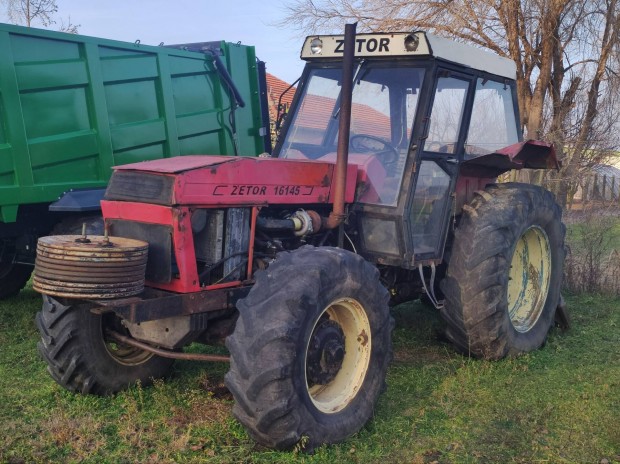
[(316, 46), (411, 43)]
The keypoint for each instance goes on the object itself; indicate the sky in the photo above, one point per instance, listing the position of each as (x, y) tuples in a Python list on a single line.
[(184, 21)]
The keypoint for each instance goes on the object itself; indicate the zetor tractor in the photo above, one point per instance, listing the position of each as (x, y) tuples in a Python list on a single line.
[(380, 190)]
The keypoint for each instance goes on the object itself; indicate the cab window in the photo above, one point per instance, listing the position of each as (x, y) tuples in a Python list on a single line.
[(493, 125)]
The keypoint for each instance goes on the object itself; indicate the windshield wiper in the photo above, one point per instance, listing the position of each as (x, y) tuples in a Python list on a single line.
[(355, 77)]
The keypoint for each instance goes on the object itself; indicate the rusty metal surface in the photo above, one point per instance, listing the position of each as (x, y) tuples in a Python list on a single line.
[(97, 244), (99, 267), (532, 154), (167, 353), (158, 304), (82, 293), (91, 264), (107, 276)]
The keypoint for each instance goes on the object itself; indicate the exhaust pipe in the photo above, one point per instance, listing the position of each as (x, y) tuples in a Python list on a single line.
[(337, 215)]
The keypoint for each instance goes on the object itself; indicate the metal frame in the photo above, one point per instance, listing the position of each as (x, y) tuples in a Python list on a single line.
[(156, 304)]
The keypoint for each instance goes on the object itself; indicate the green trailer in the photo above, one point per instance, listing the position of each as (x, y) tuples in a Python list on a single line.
[(71, 107)]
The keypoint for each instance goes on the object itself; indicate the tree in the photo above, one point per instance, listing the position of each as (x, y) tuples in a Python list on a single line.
[(567, 55), (36, 12)]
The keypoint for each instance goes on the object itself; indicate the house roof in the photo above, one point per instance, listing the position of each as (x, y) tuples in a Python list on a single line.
[(276, 88), (318, 109)]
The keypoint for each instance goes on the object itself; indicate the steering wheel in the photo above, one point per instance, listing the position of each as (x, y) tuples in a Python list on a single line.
[(364, 143)]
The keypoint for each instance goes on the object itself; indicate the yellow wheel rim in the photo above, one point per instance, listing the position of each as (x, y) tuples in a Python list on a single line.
[(336, 394), (122, 354), (528, 285)]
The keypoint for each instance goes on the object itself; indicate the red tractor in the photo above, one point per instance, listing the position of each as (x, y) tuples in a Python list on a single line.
[(380, 190)]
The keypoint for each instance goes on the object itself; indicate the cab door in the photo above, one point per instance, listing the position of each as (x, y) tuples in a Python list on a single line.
[(441, 151)]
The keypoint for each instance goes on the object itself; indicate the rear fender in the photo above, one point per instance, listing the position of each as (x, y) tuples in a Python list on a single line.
[(475, 173), (531, 154)]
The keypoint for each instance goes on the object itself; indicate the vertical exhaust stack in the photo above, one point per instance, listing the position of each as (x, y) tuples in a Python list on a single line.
[(337, 216)]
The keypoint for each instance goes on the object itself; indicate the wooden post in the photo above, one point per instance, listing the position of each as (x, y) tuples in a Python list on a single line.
[(595, 191)]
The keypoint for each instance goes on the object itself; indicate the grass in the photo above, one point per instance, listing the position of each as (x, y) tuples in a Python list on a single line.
[(558, 404)]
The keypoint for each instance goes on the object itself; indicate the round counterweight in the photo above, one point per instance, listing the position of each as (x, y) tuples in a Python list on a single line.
[(98, 267)]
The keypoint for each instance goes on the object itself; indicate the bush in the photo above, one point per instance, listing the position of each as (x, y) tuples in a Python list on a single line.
[(593, 252)]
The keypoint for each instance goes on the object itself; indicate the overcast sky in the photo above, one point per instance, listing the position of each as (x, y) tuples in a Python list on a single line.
[(184, 21)]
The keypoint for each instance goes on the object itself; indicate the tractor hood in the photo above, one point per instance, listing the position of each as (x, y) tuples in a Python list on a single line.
[(224, 180)]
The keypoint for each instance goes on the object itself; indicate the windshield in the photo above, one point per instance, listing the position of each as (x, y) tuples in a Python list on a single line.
[(385, 100)]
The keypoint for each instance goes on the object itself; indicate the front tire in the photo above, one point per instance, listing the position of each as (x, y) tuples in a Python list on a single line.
[(311, 347), (503, 281), (82, 359)]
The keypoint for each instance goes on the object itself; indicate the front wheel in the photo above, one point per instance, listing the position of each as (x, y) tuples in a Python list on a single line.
[(503, 281), (311, 347), (81, 358)]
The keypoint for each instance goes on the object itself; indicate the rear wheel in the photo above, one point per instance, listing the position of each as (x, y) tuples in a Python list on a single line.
[(503, 281), (82, 358), (310, 350)]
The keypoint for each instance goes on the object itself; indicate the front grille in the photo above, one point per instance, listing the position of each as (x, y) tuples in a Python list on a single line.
[(141, 187), (159, 266)]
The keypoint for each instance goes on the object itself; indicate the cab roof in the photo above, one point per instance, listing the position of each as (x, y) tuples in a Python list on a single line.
[(409, 44)]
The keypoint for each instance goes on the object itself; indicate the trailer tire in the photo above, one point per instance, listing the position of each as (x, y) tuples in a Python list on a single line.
[(311, 348), (73, 225), (503, 280), (13, 277), (79, 357)]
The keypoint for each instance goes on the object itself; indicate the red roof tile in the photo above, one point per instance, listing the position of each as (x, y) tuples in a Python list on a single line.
[(317, 109), (275, 88)]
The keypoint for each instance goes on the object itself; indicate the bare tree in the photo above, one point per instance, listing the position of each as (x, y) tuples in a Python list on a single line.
[(27, 12), (566, 53), (36, 12)]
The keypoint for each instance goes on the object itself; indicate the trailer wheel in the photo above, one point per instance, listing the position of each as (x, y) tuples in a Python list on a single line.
[(82, 359), (311, 347), (503, 281), (13, 277), (73, 225)]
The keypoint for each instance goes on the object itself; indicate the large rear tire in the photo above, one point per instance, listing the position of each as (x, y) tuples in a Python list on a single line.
[(503, 281), (82, 359), (311, 347)]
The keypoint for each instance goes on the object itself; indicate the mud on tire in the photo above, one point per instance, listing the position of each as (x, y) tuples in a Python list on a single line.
[(302, 314), (79, 357), (503, 281)]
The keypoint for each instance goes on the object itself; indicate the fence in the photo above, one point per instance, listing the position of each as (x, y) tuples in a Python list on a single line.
[(598, 189)]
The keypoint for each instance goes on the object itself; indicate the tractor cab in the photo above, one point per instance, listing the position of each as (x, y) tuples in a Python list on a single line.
[(421, 106)]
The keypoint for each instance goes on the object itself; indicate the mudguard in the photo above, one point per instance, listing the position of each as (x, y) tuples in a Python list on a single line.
[(533, 154)]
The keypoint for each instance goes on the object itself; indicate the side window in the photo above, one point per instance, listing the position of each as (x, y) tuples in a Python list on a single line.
[(446, 115), (430, 199), (492, 124)]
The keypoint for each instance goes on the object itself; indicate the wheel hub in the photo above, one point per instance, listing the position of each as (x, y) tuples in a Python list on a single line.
[(325, 352), (529, 277)]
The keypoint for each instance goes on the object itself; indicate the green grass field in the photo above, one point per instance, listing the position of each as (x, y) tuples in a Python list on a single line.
[(560, 404)]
